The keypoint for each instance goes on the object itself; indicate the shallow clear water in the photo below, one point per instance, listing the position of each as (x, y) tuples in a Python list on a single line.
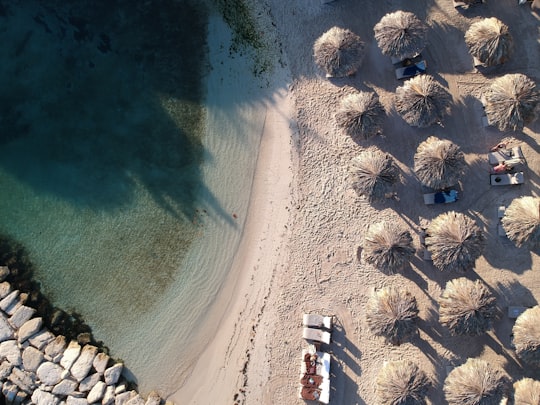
[(120, 184)]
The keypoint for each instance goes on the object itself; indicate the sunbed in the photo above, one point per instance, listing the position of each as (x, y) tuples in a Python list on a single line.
[(316, 335), (321, 394), (500, 214), (463, 4), (317, 321), (412, 70), (322, 364), (441, 197), (426, 254), (505, 155), (506, 179)]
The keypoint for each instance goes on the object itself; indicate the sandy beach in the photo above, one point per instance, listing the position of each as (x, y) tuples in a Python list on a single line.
[(300, 250)]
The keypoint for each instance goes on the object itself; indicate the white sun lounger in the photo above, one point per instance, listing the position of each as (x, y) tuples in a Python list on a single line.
[(317, 321), (507, 179), (323, 364), (316, 335), (505, 155), (323, 390), (500, 214)]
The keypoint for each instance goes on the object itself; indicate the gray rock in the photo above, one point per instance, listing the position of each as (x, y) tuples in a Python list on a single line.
[(100, 362), (136, 400), (49, 373), (4, 272), (124, 397), (41, 339), (21, 315), (120, 388), (5, 289), (76, 401), (40, 397), (70, 355), (96, 393), (5, 370), (20, 397), (9, 390), (31, 358), (55, 349), (6, 331), (109, 397), (65, 387), (11, 352), (29, 328), (88, 383), (83, 364), (25, 380), (153, 398), (9, 300), (112, 374)]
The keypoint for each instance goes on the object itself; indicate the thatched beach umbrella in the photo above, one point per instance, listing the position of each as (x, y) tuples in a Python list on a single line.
[(339, 52), (466, 307), (401, 35), (438, 163), (392, 313), (422, 102), (402, 383), (511, 102), (388, 246), (526, 333), (475, 383), (521, 221), (489, 41), (527, 392), (373, 173), (455, 241), (361, 115)]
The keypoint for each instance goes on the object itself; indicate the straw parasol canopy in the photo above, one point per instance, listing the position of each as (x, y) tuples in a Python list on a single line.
[(455, 241), (438, 163), (526, 333), (489, 41), (526, 392), (392, 313), (402, 383), (422, 102), (387, 246), (521, 221), (475, 383), (361, 115), (466, 307), (373, 173), (401, 35), (339, 52), (511, 102)]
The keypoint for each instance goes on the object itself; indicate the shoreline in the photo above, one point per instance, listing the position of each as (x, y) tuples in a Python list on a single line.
[(248, 284)]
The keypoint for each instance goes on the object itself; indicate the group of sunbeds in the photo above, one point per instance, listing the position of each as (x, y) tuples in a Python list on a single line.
[(315, 365), (505, 165)]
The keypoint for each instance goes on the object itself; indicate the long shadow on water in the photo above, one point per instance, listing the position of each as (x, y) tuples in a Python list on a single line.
[(101, 98)]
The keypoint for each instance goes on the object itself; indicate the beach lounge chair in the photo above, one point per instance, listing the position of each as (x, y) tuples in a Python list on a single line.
[(441, 197), (322, 364), (316, 335), (504, 155), (412, 70), (507, 179), (426, 254), (463, 4), (514, 312), (317, 321), (320, 394)]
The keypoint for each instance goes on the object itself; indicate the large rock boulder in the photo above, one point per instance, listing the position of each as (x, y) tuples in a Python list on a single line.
[(70, 355), (9, 300), (21, 315), (40, 397), (5, 369), (29, 328), (153, 398), (6, 331), (76, 401), (136, 400), (96, 393), (25, 380), (10, 350), (109, 396), (31, 358), (100, 362), (41, 339), (55, 349), (65, 387), (88, 383), (5, 289), (83, 364), (50, 373), (112, 374)]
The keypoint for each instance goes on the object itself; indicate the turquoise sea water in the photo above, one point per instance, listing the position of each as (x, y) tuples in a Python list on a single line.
[(127, 191)]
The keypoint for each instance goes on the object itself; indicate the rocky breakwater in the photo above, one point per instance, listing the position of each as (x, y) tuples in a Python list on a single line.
[(37, 367)]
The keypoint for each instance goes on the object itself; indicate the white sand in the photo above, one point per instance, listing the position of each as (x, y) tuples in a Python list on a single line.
[(312, 265)]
